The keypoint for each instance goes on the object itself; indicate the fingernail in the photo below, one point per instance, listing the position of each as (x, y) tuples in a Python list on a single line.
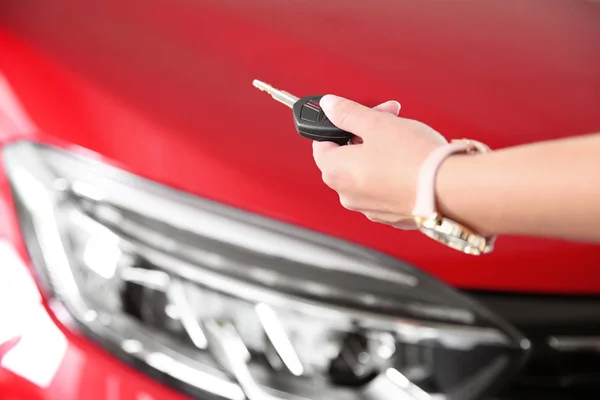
[(397, 105), (328, 101)]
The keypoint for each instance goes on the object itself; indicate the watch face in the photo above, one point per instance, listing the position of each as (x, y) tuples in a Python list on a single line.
[(452, 241)]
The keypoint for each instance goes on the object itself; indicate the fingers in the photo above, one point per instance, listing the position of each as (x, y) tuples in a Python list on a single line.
[(350, 116), (407, 225), (381, 218), (397, 221), (323, 152), (391, 106)]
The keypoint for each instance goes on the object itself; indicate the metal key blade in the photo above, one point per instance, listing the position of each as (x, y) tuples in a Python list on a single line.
[(279, 95)]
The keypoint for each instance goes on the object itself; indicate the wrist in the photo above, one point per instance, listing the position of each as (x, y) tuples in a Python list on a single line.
[(431, 220), (458, 186)]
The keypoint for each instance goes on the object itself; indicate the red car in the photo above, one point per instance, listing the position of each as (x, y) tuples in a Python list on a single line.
[(165, 234)]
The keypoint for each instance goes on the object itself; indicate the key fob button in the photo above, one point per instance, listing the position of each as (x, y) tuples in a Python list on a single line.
[(313, 104), (309, 113), (312, 123)]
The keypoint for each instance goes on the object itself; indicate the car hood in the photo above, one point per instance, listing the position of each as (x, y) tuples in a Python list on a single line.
[(163, 89)]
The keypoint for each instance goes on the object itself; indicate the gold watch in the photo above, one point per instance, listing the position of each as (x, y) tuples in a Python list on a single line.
[(429, 221)]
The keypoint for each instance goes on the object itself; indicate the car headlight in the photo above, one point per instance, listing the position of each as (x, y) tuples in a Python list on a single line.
[(224, 304)]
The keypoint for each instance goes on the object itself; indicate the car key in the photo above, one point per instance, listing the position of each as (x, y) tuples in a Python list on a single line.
[(309, 119)]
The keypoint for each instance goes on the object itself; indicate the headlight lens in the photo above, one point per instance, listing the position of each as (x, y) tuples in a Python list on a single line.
[(229, 305)]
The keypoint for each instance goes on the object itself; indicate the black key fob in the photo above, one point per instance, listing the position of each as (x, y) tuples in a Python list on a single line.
[(312, 123)]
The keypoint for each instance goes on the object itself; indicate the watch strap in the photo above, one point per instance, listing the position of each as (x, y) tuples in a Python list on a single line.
[(425, 204)]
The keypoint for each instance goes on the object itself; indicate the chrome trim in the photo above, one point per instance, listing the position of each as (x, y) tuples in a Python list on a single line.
[(176, 295), (279, 338), (575, 343), (157, 280), (410, 389), (224, 341)]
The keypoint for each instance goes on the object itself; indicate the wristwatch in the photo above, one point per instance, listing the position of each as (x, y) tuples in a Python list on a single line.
[(429, 220)]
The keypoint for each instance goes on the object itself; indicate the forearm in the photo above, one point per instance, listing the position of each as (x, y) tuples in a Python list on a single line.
[(547, 189)]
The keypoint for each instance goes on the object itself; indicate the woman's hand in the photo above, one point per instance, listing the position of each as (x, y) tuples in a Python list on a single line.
[(377, 175), (540, 189)]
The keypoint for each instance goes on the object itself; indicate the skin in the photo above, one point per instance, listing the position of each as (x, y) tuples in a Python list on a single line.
[(547, 189)]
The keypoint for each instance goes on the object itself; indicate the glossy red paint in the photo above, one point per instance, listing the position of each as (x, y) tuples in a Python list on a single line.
[(164, 90)]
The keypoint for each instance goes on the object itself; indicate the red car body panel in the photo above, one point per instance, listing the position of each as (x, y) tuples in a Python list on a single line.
[(163, 89)]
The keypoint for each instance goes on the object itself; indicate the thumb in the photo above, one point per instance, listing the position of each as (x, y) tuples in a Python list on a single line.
[(349, 115), (390, 106)]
